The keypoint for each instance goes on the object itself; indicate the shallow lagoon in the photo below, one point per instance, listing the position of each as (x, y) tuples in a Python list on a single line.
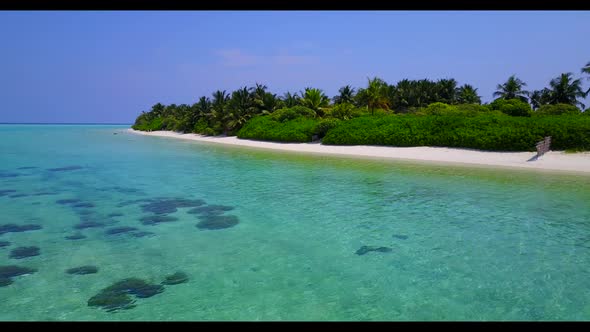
[(466, 243)]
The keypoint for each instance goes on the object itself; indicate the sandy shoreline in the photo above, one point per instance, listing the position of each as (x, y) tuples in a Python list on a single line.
[(552, 161)]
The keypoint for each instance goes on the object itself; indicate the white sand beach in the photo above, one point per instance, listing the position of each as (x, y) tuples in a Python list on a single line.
[(551, 161)]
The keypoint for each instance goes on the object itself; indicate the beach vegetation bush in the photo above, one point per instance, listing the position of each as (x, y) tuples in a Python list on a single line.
[(442, 109), (343, 111), (151, 125), (557, 109), (407, 113), (266, 128), (325, 125), (491, 132), (513, 107), (286, 114)]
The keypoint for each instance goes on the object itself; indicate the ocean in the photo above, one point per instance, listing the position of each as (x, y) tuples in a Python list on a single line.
[(264, 235)]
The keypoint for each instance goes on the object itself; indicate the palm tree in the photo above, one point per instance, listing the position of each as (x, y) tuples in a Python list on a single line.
[(376, 94), (346, 95), (258, 93), (586, 70), (203, 106), (241, 101), (360, 99), (290, 100), (446, 91), (269, 103), (219, 109), (158, 110), (512, 89), (566, 90), (540, 98), (420, 93), (169, 110), (402, 97), (259, 90), (315, 99), (467, 94), (241, 107)]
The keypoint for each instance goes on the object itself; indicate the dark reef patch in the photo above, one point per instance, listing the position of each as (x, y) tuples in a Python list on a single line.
[(68, 201), (89, 224), (28, 167), (154, 220), (366, 249), (8, 272), (136, 201), (174, 279), (135, 286), (83, 205), (63, 169), (13, 228), (124, 190), (45, 193), (19, 195), (8, 175), (142, 234), (4, 244), (184, 202), (120, 230), (401, 237), (5, 282), (76, 236), (84, 212), (217, 222), (24, 252), (82, 270), (159, 208), (11, 271), (112, 301), (170, 205), (5, 192), (117, 296), (115, 214), (211, 210)]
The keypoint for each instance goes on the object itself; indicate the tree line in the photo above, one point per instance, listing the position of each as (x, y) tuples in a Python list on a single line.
[(226, 113)]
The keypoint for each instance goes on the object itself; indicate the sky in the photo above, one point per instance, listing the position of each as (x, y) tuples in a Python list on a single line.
[(109, 66)]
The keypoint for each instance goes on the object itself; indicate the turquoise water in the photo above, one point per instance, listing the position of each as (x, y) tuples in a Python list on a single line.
[(466, 244)]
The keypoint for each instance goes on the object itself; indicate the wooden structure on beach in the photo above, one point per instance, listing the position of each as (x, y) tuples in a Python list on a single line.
[(543, 146)]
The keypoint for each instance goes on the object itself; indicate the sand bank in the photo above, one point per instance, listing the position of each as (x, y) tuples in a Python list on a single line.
[(553, 160)]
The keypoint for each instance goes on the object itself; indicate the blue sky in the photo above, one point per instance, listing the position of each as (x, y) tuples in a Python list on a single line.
[(84, 66)]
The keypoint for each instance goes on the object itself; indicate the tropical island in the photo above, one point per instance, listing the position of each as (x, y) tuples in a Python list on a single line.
[(427, 116)]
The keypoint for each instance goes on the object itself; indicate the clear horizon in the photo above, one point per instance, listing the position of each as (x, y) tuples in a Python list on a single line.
[(107, 67)]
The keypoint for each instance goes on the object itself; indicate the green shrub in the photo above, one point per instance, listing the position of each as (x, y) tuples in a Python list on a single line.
[(344, 111), (442, 109), (325, 125), (209, 132), (153, 125), (286, 114), (557, 109), (169, 124), (438, 109), (491, 132), (513, 107), (474, 108), (200, 126), (265, 128)]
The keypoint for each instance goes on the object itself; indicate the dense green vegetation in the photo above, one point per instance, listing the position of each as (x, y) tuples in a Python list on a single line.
[(492, 132), (266, 129), (408, 113)]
